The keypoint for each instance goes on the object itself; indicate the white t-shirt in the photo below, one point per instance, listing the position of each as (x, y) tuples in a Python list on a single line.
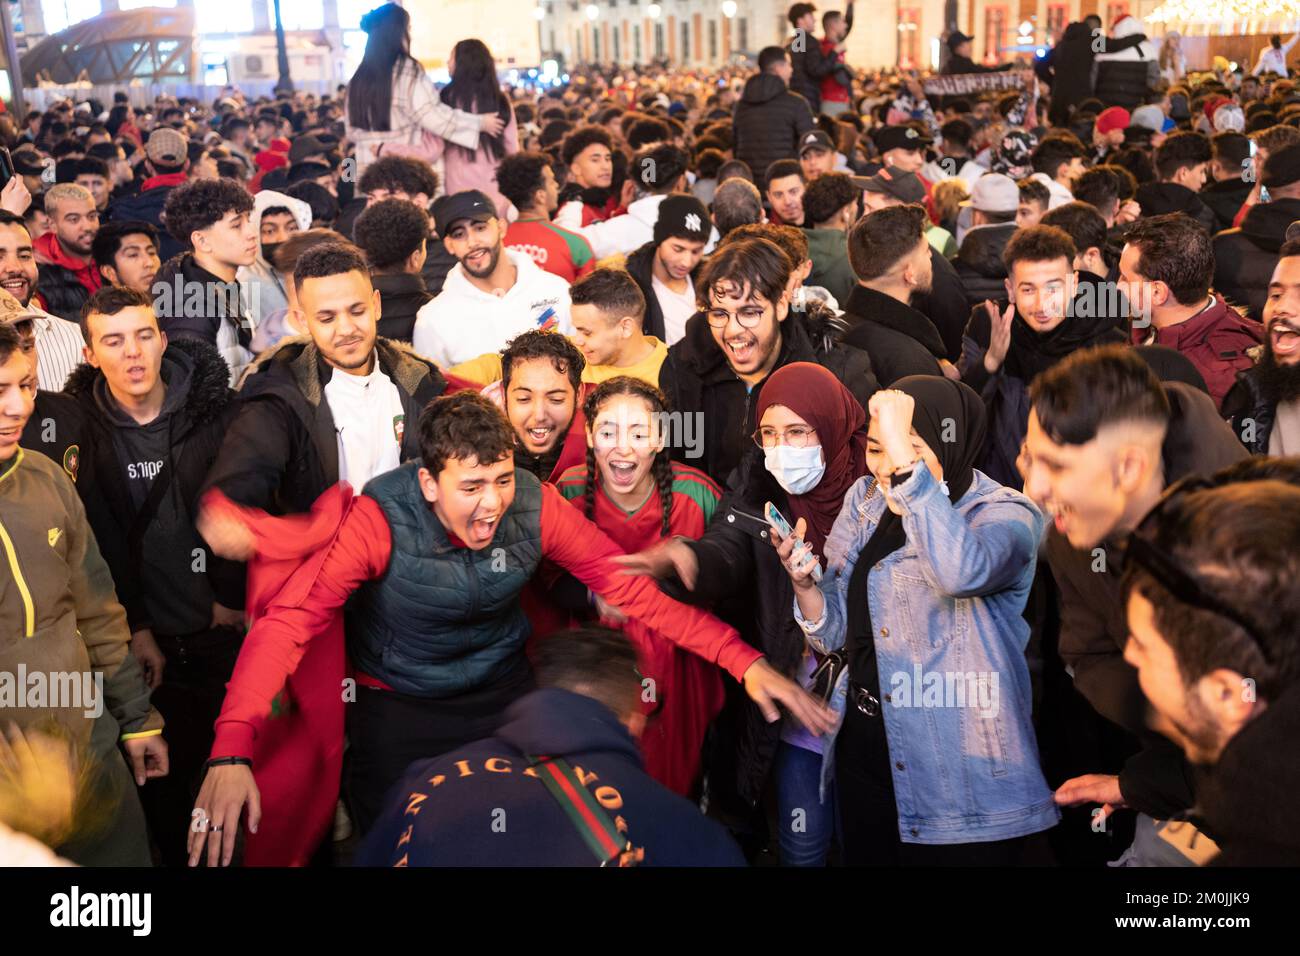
[(369, 421), (676, 308)]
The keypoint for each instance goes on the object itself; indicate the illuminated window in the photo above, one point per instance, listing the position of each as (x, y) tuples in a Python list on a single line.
[(995, 33), (909, 24), (224, 16), (61, 14), (1057, 15)]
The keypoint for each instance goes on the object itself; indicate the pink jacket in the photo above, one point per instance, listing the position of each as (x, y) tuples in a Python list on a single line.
[(479, 172)]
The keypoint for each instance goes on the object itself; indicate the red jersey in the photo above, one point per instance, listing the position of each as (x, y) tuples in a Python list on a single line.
[(555, 249), (688, 689)]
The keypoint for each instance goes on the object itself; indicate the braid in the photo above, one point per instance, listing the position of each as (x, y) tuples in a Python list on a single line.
[(589, 489), (662, 469)]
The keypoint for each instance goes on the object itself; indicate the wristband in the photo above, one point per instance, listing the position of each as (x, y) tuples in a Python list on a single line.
[(228, 761)]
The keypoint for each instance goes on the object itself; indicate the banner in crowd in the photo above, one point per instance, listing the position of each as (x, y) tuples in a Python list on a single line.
[(962, 84)]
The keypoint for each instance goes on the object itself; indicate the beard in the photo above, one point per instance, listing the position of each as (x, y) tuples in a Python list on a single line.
[(1279, 383), (494, 257)]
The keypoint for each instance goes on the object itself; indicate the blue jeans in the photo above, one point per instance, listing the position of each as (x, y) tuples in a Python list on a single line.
[(805, 825)]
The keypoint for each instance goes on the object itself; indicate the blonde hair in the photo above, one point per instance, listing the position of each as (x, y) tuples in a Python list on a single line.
[(70, 191), (949, 194)]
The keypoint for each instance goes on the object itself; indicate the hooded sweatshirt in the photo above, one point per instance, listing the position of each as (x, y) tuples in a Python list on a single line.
[(1244, 257), (769, 122), (622, 234), (262, 283), (1156, 199), (464, 322), (145, 453)]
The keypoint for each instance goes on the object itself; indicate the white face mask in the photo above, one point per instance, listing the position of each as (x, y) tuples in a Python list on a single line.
[(797, 470)]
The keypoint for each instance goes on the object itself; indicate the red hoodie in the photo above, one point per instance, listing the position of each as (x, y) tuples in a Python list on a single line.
[(293, 652)]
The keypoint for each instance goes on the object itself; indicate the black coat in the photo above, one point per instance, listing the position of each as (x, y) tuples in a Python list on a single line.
[(696, 378), (809, 65), (1225, 197), (148, 207), (1251, 408), (1094, 628), (1157, 199), (195, 434), (400, 298), (1068, 68), (640, 266), (281, 451), (1244, 258), (738, 569), (979, 263), (769, 122), (900, 340), (1246, 800), (1124, 83), (61, 290), (964, 64), (945, 304)]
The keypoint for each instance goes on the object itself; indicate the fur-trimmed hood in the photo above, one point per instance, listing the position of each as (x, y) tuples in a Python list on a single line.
[(209, 384), (299, 357)]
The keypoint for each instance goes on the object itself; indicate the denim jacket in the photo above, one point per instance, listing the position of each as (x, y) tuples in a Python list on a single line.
[(950, 640)]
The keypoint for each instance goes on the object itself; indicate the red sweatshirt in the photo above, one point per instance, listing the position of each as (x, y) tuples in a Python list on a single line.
[(48, 250), (360, 551)]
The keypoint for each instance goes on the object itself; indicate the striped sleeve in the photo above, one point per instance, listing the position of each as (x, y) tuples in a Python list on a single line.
[(698, 487), (58, 351), (584, 259), (573, 483)]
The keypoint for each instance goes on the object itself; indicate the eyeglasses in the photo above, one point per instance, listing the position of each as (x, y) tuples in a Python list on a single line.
[(796, 436), (1150, 557), (748, 317)]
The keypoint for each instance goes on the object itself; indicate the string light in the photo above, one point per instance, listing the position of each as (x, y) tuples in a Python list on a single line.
[(1224, 12)]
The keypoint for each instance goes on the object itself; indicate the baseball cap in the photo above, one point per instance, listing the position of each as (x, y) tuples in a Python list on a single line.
[(957, 38), (899, 137), (470, 204), (1150, 116), (28, 161), (166, 146), (994, 192), (815, 140), (304, 146), (1282, 168), (900, 185)]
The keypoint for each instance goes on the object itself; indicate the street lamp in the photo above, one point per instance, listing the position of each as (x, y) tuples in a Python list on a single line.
[(539, 13), (729, 8), (654, 10), (593, 11)]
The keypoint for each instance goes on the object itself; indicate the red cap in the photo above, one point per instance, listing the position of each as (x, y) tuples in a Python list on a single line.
[(1212, 104), (1111, 119)]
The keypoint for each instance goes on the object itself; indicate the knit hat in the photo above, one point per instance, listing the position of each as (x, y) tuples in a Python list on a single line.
[(166, 146), (1282, 168), (1149, 116), (1111, 119), (682, 217)]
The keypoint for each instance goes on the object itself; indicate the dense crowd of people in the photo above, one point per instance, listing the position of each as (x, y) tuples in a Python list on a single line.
[(801, 464)]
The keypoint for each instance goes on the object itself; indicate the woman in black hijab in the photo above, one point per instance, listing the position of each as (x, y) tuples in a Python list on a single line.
[(929, 565)]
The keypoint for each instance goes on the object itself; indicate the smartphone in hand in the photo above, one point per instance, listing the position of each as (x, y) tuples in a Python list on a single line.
[(778, 521)]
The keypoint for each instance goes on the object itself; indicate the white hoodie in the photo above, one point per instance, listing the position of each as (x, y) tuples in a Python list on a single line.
[(260, 283), (621, 234), (464, 322)]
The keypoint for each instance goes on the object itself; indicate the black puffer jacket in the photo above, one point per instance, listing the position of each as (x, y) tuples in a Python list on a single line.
[(640, 266), (945, 304), (738, 569), (1124, 82), (1157, 199), (696, 378), (769, 122), (148, 206), (979, 263), (1244, 258), (808, 65), (1225, 198), (281, 451), (61, 291), (1251, 407), (130, 537), (400, 298)]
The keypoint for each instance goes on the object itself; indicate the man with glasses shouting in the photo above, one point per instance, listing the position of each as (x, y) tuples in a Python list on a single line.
[(745, 331)]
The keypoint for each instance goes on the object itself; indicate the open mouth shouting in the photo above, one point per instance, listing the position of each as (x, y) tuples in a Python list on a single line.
[(623, 474), (742, 350), (539, 437), (16, 285), (481, 529)]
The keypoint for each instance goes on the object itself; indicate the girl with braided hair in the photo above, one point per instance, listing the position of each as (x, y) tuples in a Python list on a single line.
[(633, 492)]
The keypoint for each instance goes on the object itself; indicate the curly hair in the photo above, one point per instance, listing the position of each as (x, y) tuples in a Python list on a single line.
[(791, 240), (328, 259), (399, 174), (520, 175), (202, 203), (661, 468), (542, 344), (582, 137), (389, 231), (464, 426)]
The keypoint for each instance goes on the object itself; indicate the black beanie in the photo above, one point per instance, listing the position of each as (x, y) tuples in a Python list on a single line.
[(682, 217)]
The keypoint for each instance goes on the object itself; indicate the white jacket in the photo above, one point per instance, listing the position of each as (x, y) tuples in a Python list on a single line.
[(464, 322), (1057, 195), (622, 234), (260, 280)]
